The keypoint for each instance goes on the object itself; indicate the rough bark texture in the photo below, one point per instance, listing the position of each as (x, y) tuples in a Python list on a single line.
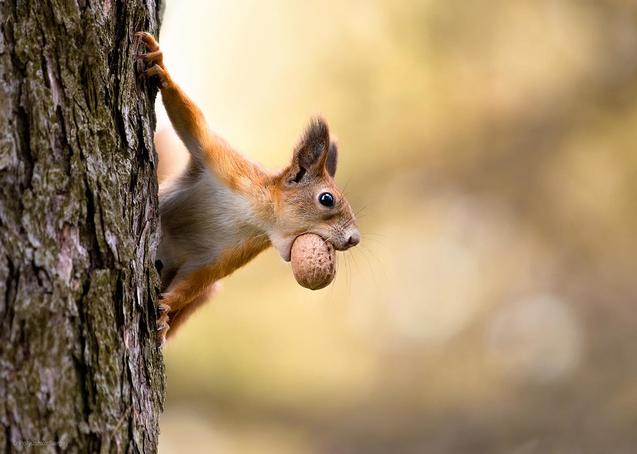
[(80, 370)]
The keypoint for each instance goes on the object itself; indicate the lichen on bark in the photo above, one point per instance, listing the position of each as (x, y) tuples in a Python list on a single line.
[(80, 370)]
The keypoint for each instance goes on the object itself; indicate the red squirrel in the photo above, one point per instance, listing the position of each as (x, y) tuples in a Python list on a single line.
[(224, 209)]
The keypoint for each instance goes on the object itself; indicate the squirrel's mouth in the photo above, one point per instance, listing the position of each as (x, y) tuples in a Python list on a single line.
[(283, 247), (287, 255), (283, 244)]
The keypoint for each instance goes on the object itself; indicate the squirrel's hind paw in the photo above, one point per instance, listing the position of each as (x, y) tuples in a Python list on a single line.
[(162, 323)]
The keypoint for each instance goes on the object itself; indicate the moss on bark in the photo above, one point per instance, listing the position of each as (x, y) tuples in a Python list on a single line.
[(80, 370)]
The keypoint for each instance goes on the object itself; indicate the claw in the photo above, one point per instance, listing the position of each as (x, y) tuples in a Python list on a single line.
[(162, 340), (155, 57), (162, 324), (149, 40), (162, 329)]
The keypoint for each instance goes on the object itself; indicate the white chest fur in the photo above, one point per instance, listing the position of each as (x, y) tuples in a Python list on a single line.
[(200, 218)]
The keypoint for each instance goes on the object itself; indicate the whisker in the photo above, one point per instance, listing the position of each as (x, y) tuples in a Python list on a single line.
[(346, 271), (359, 211), (374, 239), (349, 274), (373, 271), (370, 253)]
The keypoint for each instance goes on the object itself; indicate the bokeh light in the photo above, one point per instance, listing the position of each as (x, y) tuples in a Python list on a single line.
[(489, 151)]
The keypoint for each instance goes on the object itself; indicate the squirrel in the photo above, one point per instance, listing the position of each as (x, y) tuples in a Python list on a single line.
[(223, 210)]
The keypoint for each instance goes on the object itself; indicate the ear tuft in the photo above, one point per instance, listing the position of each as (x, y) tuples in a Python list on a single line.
[(315, 141), (332, 158)]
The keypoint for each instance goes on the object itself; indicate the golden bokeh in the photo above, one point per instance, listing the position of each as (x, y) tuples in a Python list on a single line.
[(490, 151)]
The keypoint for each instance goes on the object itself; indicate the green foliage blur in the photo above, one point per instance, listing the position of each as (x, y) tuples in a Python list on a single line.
[(490, 151)]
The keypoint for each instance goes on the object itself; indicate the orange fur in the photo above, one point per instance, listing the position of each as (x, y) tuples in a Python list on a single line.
[(178, 317), (191, 292), (196, 283), (224, 209)]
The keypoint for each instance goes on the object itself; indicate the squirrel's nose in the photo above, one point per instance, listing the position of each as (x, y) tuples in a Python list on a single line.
[(354, 239)]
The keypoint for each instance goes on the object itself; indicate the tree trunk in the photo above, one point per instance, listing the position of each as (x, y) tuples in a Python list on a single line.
[(80, 369)]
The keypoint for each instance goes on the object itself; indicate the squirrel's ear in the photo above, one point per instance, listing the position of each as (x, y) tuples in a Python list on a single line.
[(312, 146), (332, 158)]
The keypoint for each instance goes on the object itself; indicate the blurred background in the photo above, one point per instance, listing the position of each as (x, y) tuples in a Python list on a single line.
[(489, 149)]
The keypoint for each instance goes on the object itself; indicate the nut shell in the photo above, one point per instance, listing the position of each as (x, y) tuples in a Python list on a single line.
[(313, 261)]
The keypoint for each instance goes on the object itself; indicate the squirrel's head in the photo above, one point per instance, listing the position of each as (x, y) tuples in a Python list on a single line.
[(308, 200)]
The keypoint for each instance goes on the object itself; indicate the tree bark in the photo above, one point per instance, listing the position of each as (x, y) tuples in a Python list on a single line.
[(80, 369)]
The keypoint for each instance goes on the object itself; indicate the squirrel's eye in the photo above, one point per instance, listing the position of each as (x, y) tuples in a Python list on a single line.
[(326, 199)]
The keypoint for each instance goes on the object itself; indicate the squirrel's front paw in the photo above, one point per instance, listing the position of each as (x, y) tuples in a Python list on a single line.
[(154, 59), (162, 323)]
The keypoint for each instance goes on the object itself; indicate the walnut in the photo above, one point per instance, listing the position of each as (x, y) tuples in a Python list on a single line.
[(313, 261)]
